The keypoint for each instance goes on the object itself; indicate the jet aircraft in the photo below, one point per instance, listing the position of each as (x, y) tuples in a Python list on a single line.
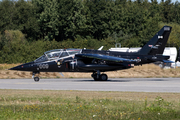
[(98, 61)]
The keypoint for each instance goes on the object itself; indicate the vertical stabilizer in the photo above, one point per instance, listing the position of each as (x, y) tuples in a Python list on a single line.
[(157, 44)]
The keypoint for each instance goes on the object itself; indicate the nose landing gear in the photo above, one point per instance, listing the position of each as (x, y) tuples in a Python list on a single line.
[(36, 79), (99, 77)]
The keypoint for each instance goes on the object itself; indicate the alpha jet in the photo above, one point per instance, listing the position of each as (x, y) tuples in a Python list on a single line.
[(98, 61)]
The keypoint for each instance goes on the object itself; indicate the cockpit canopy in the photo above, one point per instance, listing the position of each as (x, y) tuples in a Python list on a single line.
[(57, 53), (53, 53)]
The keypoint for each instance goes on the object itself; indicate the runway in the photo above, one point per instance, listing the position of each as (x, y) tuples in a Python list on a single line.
[(114, 84)]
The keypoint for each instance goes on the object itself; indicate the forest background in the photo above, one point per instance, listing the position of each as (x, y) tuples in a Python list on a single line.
[(29, 28)]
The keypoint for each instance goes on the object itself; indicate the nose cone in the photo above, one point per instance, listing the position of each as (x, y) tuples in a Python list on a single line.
[(23, 67), (20, 67)]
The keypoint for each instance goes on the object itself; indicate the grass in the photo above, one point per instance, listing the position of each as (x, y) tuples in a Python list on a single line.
[(7, 66), (90, 105)]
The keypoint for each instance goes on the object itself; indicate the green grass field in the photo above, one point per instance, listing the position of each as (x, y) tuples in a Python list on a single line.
[(76, 105)]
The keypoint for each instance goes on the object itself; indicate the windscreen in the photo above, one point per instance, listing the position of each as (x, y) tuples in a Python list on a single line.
[(41, 59)]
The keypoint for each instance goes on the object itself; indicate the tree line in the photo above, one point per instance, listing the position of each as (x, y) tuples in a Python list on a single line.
[(73, 23)]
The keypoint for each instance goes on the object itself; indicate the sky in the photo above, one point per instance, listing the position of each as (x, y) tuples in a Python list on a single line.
[(173, 1)]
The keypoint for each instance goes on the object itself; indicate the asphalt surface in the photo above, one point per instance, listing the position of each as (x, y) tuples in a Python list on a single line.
[(118, 84)]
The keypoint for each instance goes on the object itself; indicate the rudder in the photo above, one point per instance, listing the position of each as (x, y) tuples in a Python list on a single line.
[(157, 44)]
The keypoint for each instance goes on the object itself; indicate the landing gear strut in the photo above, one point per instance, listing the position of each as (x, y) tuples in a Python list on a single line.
[(36, 79), (99, 77)]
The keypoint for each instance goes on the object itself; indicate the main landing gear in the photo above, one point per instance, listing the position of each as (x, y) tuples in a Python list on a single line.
[(36, 79), (99, 77)]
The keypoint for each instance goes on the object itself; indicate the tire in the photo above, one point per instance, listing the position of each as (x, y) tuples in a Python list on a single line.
[(103, 77), (95, 78), (36, 79)]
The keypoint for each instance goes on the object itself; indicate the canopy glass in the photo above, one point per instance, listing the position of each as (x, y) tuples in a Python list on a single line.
[(57, 53)]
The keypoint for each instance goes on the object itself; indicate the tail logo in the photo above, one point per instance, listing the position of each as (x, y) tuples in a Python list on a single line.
[(154, 47), (150, 46), (160, 37)]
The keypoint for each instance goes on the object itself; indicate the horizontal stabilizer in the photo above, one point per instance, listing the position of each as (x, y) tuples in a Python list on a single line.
[(167, 61)]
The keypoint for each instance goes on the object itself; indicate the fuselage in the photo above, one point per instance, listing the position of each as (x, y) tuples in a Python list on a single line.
[(65, 60)]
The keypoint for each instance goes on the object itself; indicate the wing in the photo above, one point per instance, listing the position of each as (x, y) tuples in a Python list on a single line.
[(106, 58), (167, 61)]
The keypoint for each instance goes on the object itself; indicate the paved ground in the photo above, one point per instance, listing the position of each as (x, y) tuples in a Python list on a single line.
[(118, 84)]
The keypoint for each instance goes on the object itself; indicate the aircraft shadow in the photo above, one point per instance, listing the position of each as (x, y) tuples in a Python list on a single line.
[(102, 81), (121, 80), (109, 80)]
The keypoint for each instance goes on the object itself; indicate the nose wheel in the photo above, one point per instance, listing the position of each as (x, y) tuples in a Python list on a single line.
[(99, 77), (36, 79)]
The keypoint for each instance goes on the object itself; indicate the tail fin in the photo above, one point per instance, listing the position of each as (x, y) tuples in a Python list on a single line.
[(157, 44)]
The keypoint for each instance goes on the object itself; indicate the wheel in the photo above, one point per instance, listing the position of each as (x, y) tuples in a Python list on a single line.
[(103, 77), (94, 76), (96, 79), (36, 79)]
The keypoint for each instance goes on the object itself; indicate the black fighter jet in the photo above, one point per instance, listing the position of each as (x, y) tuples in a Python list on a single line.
[(97, 61)]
